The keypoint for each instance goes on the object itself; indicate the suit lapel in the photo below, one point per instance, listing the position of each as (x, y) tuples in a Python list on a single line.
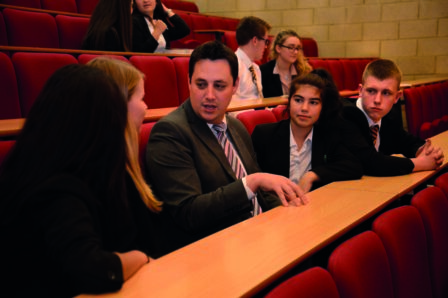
[(281, 143)]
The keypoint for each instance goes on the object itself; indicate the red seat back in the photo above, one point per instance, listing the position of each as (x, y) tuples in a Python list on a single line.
[(3, 34), (32, 71), (280, 112), (250, 119), (9, 95), (433, 207), (360, 268), (31, 29), (60, 5), (71, 31), (183, 84), (145, 131), (5, 148), (86, 6), (160, 82), (310, 48), (23, 3), (442, 183), (201, 22), (229, 39), (403, 235), (85, 58), (314, 282)]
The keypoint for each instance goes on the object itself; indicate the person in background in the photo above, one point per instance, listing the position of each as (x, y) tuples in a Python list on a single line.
[(64, 193), (307, 147), (110, 27), (375, 133), (155, 26), (201, 162), (252, 38), (287, 62)]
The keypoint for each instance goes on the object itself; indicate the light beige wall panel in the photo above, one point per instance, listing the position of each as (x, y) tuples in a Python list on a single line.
[(251, 5), (334, 3), (443, 27), (312, 3), (432, 47), (379, 1), (394, 48), (300, 17), (363, 13), (222, 6), (319, 33), (330, 16), (332, 49), (420, 28), (442, 65), (202, 5), (380, 31), (280, 4), (363, 49), (400, 11), (273, 17), (346, 32), (417, 65), (434, 9)]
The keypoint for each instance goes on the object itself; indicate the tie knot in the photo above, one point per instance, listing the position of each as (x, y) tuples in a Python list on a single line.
[(219, 128), (374, 128)]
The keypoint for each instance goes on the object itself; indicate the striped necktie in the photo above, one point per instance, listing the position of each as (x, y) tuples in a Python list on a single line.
[(374, 133), (254, 79), (233, 159)]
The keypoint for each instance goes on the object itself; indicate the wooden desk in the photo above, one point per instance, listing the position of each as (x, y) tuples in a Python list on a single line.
[(424, 81), (245, 258)]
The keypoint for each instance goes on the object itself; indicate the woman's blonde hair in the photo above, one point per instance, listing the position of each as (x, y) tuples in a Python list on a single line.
[(301, 65), (127, 78)]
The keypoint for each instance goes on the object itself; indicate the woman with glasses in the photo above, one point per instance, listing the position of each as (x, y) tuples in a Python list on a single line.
[(287, 62)]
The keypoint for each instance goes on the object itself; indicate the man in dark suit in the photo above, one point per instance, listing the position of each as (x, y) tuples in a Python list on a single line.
[(188, 168), (376, 132)]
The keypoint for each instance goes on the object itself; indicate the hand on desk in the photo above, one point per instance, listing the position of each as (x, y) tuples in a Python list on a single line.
[(428, 157), (307, 180), (289, 193)]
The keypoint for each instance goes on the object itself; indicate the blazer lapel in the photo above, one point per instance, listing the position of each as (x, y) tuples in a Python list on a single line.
[(281, 142)]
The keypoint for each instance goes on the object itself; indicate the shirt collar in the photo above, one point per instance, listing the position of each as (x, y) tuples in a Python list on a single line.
[(292, 142), (292, 69), (244, 58)]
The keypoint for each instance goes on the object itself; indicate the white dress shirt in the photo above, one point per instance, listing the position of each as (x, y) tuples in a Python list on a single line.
[(247, 89), (299, 160)]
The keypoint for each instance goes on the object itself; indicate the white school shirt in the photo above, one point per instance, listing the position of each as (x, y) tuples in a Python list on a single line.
[(299, 161), (162, 42), (246, 88)]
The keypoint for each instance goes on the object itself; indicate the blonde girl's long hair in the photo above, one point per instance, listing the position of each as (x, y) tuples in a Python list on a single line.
[(127, 77), (302, 66)]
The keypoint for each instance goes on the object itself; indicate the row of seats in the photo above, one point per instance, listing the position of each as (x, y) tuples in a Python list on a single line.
[(87, 6), (403, 256), (427, 109), (44, 30), (24, 74)]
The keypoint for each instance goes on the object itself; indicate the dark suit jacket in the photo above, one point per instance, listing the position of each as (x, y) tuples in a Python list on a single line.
[(272, 86), (393, 140), (330, 160), (189, 172), (113, 42), (142, 39)]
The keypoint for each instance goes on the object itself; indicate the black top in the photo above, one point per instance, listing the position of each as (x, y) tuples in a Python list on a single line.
[(113, 42), (142, 39), (272, 86), (60, 243)]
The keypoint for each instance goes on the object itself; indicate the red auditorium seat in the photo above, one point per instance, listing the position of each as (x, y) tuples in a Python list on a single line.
[(360, 268), (31, 29), (315, 282), (442, 183), (32, 71), (201, 22), (160, 82), (433, 207), (181, 5), (3, 35), (5, 147), (86, 6), (9, 99), (232, 24), (280, 112), (145, 131), (413, 103), (218, 23), (229, 39), (250, 119), (23, 3), (310, 48), (60, 5), (181, 66), (188, 42), (71, 31), (85, 58), (403, 235)]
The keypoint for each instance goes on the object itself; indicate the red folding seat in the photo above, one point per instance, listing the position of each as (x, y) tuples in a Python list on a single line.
[(413, 102), (71, 31), (181, 5), (232, 24), (337, 72), (310, 48), (86, 6), (433, 207), (319, 63), (32, 71), (145, 131), (187, 42), (201, 22), (218, 23), (181, 66), (85, 58), (31, 29), (23, 3), (360, 268), (5, 148), (229, 39), (442, 183), (3, 35), (280, 112), (60, 5), (9, 99), (160, 82), (250, 119), (403, 235), (315, 282)]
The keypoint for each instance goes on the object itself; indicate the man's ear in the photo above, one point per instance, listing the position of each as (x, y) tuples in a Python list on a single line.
[(399, 95), (235, 86)]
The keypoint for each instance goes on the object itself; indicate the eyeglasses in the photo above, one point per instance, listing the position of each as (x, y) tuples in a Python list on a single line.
[(291, 48), (266, 41)]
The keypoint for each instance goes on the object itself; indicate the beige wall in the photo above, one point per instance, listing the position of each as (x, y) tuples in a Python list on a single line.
[(414, 33)]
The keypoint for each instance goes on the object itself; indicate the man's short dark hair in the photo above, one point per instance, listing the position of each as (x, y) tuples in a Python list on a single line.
[(250, 27), (214, 50)]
